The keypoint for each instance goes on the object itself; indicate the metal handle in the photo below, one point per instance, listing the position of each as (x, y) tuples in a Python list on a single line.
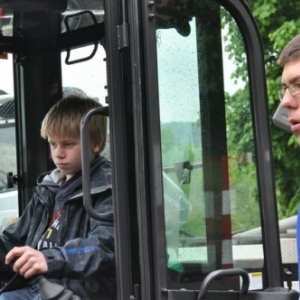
[(85, 163), (221, 273), (66, 21)]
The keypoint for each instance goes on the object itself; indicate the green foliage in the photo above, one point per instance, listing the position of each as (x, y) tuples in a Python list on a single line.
[(278, 21), (277, 29), (240, 141), (238, 112), (176, 145), (246, 214)]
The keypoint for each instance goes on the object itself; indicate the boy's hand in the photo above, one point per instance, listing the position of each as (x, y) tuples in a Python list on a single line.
[(28, 261)]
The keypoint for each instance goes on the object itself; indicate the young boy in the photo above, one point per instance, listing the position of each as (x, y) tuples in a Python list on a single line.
[(55, 236)]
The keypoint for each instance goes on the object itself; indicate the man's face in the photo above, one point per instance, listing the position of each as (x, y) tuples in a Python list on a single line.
[(291, 75), (66, 154)]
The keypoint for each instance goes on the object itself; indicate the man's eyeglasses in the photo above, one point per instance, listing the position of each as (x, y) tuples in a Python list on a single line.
[(294, 89)]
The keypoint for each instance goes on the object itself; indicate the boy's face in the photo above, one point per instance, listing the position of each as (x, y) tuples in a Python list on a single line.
[(66, 154)]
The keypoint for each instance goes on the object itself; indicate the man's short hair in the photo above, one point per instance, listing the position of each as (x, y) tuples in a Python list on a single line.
[(64, 119), (290, 52)]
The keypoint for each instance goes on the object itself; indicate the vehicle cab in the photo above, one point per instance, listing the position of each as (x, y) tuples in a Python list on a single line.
[(193, 185)]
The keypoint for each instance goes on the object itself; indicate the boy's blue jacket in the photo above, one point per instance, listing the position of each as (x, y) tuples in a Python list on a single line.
[(83, 257)]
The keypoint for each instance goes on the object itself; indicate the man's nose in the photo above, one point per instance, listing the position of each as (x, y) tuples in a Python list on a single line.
[(288, 100)]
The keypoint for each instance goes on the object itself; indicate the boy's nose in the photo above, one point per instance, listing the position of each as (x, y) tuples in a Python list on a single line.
[(59, 152)]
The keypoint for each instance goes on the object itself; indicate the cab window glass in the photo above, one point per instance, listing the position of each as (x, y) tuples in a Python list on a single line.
[(212, 216), (6, 21), (87, 78), (8, 161), (82, 13)]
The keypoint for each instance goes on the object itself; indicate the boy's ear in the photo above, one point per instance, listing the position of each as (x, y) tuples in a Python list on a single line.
[(96, 147)]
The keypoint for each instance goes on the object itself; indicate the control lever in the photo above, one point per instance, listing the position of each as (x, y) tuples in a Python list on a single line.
[(288, 274), (54, 291)]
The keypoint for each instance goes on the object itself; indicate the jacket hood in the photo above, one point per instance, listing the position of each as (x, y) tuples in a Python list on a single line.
[(100, 180)]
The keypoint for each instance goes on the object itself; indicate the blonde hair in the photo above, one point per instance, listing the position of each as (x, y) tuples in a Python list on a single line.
[(64, 119), (290, 52)]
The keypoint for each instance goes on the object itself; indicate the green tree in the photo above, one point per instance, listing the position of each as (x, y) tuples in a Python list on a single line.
[(278, 21)]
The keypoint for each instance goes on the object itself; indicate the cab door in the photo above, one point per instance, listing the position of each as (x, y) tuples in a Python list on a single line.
[(202, 165)]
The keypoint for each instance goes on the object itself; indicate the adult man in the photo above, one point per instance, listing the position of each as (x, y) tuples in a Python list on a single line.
[(289, 94)]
